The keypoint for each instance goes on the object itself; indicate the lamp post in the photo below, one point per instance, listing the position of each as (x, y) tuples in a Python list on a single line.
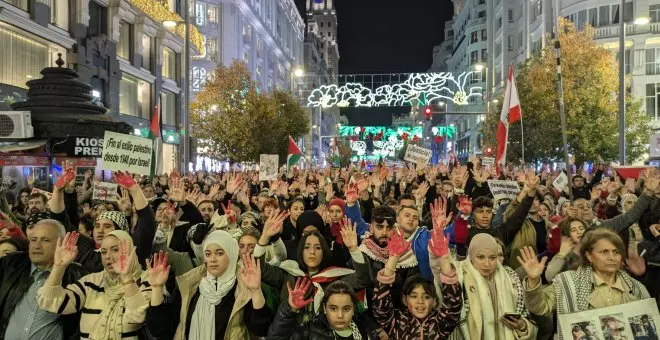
[(622, 73), (186, 81)]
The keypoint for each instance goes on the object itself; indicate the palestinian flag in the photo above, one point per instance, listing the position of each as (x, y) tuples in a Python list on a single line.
[(336, 158), (293, 155), (154, 135)]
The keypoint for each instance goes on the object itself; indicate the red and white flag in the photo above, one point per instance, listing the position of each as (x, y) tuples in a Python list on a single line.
[(511, 113)]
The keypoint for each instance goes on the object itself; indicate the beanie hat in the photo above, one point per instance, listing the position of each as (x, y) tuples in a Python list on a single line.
[(307, 218), (36, 217), (554, 240), (338, 202), (258, 221)]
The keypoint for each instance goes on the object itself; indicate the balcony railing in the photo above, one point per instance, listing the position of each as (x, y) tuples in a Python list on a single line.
[(612, 31)]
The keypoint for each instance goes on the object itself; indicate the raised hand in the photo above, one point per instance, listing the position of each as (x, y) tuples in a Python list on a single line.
[(123, 179), (349, 233), (297, 294), (420, 193), (362, 185), (531, 265), (68, 175), (66, 250), (635, 263), (231, 215), (177, 191), (439, 243), (531, 182), (215, 189), (234, 183), (274, 224), (125, 259), (351, 194), (159, 271), (397, 244), (193, 196), (464, 205), (438, 214), (250, 273)]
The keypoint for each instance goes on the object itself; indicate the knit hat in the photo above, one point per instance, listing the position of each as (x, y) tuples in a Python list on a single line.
[(36, 217), (116, 217), (338, 202), (307, 218), (155, 203), (258, 221)]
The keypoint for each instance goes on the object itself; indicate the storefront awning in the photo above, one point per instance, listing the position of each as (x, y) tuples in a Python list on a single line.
[(22, 145)]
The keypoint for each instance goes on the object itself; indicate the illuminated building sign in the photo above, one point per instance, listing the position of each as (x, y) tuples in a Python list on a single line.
[(425, 88), (198, 76), (387, 140)]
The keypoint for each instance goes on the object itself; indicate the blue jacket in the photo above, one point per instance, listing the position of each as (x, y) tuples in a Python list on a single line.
[(354, 214), (420, 247)]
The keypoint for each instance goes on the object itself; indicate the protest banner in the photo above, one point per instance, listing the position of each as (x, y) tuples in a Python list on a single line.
[(560, 182), (417, 154), (104, 191), (633, 320), (488, 161), (503, 189), (39, 191), (268, 167), (126, 153)]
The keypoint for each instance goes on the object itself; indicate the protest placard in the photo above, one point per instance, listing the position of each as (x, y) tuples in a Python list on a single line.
[(503, 189), (488, 161), (560, 182), (268, 167), (39, 191), (126, 153), (103, 191), (417, 154), (633, 320)]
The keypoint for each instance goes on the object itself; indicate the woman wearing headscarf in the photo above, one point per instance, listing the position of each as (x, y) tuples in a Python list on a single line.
[(214, 300), (493, 306), (598, 282), (113, 302)]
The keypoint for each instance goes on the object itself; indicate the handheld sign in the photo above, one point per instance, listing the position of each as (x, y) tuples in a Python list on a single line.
[(488, 161), (104, 191), (417, 154), (126, 153), (268, 167), (560, 182), (503, 189)]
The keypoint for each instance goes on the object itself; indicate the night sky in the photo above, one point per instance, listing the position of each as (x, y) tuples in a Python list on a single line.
[(386, 36)]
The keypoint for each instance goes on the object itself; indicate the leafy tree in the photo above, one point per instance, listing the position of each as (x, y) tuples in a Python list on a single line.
[(590, 81), (233, 120)]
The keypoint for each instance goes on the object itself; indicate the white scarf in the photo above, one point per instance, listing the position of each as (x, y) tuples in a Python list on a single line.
[(506, 302), (213, 289)]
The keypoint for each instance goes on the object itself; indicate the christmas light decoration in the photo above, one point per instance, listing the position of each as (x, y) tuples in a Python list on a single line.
[(426, 88)]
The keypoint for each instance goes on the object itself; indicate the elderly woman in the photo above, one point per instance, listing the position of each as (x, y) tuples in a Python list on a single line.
[(493, 305), (214, 300), (113, 302), (598, 282)]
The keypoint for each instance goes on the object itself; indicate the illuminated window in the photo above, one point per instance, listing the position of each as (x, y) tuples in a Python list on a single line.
[(146, 52), (213, 14), (134, 97), (169, 63), (22, 57), (168, 108), (124, 45)]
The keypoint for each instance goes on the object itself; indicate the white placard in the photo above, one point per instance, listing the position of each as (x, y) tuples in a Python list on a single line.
[(126, 153), (654, 145), (487, 160), (104, 191), (633, 320), (417, 154), (560, 182), (268, 167), (503, 189)]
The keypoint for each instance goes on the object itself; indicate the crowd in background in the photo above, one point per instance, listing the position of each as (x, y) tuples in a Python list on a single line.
[(365, 252)]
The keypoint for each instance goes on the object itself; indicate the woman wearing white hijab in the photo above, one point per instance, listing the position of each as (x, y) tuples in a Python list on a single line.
[(114, 302), (494, 301), (209, 302)]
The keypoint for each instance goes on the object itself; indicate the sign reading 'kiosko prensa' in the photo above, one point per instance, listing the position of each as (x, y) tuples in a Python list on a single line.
[(126, 153)]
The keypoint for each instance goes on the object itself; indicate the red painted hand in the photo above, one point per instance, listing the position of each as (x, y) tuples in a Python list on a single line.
[(397, 244), (297, 294), (439, 244), (124, 179), (68, 176)]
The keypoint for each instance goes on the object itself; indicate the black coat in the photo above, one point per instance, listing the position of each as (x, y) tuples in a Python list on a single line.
[(285, 327), (15, 270)]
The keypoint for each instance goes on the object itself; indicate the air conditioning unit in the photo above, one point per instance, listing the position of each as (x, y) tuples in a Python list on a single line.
[(16, 125)]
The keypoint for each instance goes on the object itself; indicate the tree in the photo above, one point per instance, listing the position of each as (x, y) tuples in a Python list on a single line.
[(590, 83), (234, 121)]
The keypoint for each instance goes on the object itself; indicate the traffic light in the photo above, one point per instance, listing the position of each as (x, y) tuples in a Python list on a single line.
[(488, 151), (428, 112)]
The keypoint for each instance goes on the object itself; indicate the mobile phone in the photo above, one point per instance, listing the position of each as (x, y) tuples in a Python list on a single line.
[(513, 316)]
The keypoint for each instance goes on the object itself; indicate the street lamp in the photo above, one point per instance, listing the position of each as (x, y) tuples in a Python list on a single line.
[(298, 72), (479, 67), (622, 74)]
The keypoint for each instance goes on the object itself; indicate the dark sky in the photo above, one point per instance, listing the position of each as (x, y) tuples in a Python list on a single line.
[(388, 36)]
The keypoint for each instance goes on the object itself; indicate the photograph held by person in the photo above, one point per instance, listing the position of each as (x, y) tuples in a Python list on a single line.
[(598, 282), (215, 300), (21, 276)]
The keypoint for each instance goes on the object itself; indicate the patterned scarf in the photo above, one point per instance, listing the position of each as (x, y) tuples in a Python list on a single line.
[(354, 332), (374, 251), (574, 287)]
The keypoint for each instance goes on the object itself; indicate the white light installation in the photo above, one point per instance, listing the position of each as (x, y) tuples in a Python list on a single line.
[(381, 148), (427, 88)]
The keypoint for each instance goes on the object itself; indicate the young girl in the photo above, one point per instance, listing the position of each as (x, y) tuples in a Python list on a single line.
[(421, 319)]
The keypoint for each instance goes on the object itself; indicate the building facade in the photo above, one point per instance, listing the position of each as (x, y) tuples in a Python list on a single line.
[(488, 36), (119, 47), (321, 65)]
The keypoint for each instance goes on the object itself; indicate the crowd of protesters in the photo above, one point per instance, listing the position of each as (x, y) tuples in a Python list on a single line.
[(418, 252)]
